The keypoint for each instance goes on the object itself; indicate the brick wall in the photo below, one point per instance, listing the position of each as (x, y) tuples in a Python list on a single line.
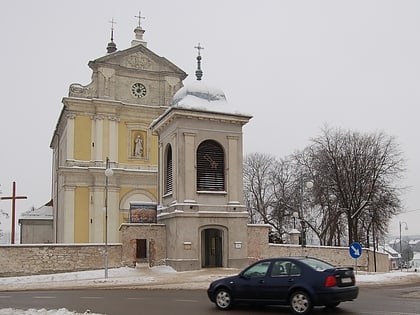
[(155, 234)]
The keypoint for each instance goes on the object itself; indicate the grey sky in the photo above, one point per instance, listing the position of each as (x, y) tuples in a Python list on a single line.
[(293, 65)]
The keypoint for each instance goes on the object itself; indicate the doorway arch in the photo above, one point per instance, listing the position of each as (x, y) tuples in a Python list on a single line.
[(212, 247)]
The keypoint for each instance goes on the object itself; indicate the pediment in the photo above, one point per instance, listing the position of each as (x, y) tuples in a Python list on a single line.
[(138, 58)]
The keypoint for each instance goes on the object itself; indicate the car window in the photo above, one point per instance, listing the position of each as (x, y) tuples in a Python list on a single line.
[(257, 270), (283, 268), (279, 269), (316, 264)]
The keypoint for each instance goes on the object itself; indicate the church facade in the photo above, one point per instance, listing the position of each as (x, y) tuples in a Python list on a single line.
[(175, 147)]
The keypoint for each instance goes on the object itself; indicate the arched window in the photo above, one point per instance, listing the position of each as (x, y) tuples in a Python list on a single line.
[(210, 166), (168, 170)]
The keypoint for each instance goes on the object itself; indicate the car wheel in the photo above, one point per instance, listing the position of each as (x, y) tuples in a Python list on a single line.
[(223, 299), (300, 302)]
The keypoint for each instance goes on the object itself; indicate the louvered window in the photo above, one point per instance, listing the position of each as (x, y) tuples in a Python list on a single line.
[(210, 167), (168, 170)]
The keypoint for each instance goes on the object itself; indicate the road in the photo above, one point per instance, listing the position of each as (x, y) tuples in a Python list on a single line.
[(384, 300)]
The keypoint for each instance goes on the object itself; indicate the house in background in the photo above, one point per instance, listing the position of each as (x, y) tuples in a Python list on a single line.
[(36, 225)]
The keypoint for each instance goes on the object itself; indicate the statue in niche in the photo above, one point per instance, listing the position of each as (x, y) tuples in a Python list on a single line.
[(138, 147)]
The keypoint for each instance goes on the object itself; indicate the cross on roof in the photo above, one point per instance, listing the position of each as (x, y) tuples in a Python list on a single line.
[(13, 197), (199, 47), (112, 28), (139, 17), (112, 23)]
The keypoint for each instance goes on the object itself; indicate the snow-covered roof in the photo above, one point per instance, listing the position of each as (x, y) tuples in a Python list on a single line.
[(43, 213), (197, 95)]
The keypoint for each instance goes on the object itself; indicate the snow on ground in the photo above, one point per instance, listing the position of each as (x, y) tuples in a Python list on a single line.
[(156, 277)]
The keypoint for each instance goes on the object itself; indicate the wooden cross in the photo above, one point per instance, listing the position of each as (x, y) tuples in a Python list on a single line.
[(13, 198), (199, 47), (139, 17)]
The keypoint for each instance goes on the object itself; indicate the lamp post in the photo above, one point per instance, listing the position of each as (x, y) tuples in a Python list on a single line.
[(299, 214), (406, 228), (108, 173)]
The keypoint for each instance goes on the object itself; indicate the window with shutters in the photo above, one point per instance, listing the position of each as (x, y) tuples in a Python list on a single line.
[(168, 169), (210, 167)]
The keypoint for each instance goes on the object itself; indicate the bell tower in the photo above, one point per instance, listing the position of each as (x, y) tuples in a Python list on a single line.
[(200, 175)]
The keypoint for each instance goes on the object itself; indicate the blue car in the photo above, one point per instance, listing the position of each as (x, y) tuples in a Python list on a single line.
[(301, 282)]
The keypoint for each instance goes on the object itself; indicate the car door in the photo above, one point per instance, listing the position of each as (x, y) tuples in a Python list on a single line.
[(283, 274), (250, 282)]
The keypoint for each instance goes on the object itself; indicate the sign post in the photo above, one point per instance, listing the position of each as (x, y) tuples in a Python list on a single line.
[(355, 251)]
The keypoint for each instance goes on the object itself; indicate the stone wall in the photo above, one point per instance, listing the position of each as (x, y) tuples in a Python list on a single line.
[(20, 260), (259, 248)]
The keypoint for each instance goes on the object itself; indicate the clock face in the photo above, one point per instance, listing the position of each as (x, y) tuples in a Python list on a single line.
[(138, 90)]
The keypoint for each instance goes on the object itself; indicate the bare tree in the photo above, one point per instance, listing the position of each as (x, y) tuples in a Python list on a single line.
[(265, 181), (257, 191), (360, 171), (354, 193)]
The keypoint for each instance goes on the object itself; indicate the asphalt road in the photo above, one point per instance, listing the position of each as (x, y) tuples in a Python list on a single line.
[(389, 300)]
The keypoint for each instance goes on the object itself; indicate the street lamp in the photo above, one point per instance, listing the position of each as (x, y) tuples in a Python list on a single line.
[(406, 228), (308, 185), (108, 173)]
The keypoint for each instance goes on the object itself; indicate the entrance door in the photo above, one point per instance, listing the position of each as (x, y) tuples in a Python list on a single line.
[(213, 240), (141, 249)]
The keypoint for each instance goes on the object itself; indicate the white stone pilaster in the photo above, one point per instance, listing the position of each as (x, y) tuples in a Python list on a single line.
[(97, 136), (189, 165), (234, 167), (113, 215), (68, 214), (113, 138)]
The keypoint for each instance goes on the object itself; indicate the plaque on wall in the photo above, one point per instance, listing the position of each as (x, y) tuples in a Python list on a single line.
[(143, 212)]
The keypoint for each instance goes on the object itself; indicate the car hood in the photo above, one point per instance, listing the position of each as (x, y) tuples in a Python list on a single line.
[(225, 280)]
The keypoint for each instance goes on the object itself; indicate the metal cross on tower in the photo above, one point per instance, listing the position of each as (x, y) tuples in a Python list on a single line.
[(199, 47), (112, 28), (13, 198), (139, 17)]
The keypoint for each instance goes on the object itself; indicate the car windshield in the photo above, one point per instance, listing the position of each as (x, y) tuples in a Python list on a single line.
[(318, 265)]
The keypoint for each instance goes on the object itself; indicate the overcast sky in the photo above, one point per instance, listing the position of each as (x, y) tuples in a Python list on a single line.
[(294, 65)]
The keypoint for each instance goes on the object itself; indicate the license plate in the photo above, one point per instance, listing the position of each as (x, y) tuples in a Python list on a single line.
[(346, 280)]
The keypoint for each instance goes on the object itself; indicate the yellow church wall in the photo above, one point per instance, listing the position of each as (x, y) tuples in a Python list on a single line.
[(153, 157), (81, 215), (82, 136)]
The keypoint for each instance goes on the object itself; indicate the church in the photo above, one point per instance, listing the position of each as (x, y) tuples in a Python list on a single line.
[(137, 147)]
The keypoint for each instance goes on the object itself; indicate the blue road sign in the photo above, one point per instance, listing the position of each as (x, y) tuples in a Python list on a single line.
[(355, 250)]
